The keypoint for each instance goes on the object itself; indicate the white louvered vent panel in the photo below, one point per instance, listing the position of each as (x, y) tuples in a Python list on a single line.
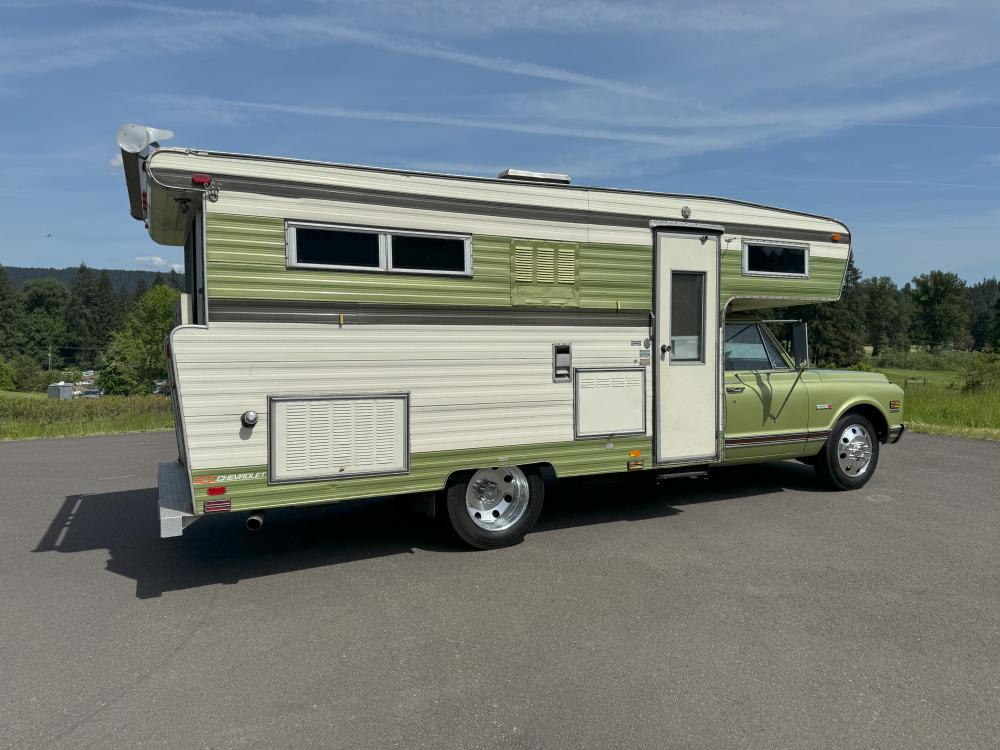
[(338, 437), (524, 263), (545, 265), (566, 266), (297, 457), (610, 402)]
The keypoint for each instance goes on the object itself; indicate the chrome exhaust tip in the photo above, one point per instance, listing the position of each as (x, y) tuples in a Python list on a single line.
[(254, 521)]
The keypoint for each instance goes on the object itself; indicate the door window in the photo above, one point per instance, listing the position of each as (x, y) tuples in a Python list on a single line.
[(744, 348), (777, 361), (687, 316)]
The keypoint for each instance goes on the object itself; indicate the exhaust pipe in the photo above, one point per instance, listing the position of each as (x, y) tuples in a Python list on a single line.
[(255, 521)]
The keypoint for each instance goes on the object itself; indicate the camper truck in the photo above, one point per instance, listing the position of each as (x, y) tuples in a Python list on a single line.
[(352, 332)]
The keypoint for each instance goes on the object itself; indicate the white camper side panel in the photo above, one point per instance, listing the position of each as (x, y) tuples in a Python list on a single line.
[(469, 386)]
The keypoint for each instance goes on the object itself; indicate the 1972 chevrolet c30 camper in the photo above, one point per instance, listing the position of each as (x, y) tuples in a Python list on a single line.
[(351, 332)]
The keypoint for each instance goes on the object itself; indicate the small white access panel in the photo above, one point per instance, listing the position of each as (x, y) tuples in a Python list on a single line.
[(610, 402), (334, 437), (686, 361)]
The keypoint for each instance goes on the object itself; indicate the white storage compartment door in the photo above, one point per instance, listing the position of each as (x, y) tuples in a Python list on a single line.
[(332, 437), (610, 402)]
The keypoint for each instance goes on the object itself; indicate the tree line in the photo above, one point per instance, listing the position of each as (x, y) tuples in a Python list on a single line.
[(50, 325), (935, 311), (53, 326)]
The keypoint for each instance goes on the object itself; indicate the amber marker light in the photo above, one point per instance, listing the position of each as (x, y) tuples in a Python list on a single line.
[(634, 454), (835, 237)]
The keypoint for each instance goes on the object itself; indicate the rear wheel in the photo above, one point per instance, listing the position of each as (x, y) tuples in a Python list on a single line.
[(850, 455), (494, 507)]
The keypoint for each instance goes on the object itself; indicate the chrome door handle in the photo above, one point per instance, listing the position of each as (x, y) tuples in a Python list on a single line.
[(735, 388)]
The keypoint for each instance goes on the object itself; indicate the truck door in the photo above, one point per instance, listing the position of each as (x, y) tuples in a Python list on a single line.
[(686, 345), (766, 399)]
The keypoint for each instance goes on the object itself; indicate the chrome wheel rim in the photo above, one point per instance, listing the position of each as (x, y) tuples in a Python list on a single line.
[(497, 498), (854, 450)]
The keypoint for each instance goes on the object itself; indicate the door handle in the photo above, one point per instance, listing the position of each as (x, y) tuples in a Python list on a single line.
[(664, 349), (735, 388)]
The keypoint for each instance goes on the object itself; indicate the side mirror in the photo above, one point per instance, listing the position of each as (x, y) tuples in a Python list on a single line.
[(800, 345)]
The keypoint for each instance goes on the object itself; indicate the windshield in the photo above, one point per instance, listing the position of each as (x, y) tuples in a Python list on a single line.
[(749, 348)]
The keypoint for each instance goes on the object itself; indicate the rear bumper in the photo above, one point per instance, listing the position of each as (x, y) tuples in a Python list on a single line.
[(895, 433), (176, 507)]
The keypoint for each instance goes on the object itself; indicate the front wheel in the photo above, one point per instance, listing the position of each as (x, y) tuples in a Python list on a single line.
[(850, 455), (494, 507)]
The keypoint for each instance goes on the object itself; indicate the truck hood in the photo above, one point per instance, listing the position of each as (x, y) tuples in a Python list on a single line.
[(851, 376)]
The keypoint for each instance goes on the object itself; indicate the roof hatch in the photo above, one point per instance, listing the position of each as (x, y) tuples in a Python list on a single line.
[(523, 175)]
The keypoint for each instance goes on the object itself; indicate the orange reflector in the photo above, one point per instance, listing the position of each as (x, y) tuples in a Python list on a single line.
[(835, 238), (634, 454), (215, 491)]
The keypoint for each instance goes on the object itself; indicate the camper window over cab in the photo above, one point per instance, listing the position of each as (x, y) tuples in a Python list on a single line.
[(361, 249), (773, 259)]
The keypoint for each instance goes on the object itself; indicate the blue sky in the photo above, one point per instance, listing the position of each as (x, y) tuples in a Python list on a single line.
[(883, 114)]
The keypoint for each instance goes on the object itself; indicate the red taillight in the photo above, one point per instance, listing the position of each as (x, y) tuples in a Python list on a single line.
[(145, 202), (201, 179), (216, 491)]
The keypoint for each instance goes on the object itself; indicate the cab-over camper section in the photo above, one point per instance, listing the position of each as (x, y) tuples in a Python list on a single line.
[(354, 332)]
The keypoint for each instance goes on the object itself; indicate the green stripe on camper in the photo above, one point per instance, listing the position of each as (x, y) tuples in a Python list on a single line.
[(428, 471), (825, 277), (245, 259)]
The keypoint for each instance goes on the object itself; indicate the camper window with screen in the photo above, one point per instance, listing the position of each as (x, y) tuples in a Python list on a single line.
[(687, 292), (428, 253), (775, 260), (350, 248)]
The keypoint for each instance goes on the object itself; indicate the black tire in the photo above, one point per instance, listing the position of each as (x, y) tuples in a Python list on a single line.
[(830, 461), (458, 518)]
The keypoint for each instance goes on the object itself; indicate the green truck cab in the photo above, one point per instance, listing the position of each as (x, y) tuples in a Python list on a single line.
[(834, 420)]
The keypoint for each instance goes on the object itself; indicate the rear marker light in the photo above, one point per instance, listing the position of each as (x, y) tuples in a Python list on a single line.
[(217, 506), (216, 491), (201, 179)]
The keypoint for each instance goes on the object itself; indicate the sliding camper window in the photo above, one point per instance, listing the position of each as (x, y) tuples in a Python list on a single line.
[(363, 249), (773, 259)]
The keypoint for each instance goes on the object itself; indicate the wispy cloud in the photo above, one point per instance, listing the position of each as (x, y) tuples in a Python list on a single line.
[(682, 143), (183, 28)]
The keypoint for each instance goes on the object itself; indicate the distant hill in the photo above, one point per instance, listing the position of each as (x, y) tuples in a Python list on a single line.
[(119, 276)]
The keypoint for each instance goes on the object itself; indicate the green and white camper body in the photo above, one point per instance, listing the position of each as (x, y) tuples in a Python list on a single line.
[(550, 345)]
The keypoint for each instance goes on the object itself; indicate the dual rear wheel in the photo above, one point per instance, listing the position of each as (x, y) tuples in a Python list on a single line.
[(494, 507)]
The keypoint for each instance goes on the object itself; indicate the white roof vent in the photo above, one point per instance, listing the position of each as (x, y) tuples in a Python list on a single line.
[(523, 175)]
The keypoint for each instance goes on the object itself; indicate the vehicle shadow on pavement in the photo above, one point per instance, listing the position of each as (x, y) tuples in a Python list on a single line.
[(635, 497), (218, 550)]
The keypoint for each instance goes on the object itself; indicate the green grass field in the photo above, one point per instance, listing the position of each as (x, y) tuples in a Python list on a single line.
[(935, 404), (34, 415)]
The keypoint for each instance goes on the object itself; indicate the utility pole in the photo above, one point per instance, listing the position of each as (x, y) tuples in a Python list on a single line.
[(50, 357)]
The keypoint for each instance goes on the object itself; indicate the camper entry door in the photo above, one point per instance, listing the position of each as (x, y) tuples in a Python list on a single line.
[(686, 346)]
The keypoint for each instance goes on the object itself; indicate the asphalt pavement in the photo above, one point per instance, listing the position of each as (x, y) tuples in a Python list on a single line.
[(752, 609)]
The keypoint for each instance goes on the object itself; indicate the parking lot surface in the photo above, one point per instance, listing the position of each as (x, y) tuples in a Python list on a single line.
[(753, 609)]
